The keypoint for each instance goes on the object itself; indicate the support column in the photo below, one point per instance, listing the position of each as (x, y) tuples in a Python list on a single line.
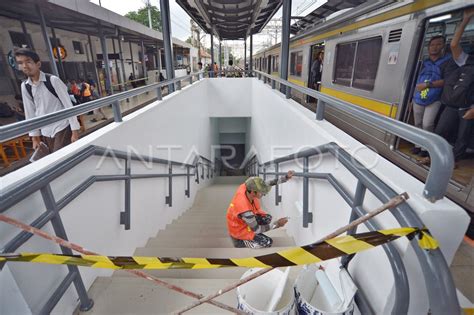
[(245, 53), (131, 58), (49, 49), (94, 60), (285, 41), (25, 32), (145, 74), (220, 55), (119, 79), (212, 54), (124, 74), (58, 52), (105, 58), (166, 27), (251, 54)]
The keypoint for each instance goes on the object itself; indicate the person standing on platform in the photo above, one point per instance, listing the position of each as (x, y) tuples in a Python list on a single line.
[(44, 94)]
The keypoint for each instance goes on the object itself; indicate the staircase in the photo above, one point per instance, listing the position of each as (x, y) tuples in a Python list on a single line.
[(199, 232)]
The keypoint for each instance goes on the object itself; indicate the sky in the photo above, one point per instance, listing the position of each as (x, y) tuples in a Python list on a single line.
[(180, 21)]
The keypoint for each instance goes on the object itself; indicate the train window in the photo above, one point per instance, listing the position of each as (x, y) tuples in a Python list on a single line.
[(345, 54), (276, 63), (296, 63), (364, 55), (367, 62)]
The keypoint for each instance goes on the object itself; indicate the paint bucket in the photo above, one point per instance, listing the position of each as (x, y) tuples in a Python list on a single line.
[(325, 292), (270, 293)]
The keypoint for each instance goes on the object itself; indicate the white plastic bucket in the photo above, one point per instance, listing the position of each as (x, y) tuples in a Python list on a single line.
[(334, 295), (271, 289)]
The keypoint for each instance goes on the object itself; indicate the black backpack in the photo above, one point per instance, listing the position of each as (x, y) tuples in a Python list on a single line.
[(48, 84), (6, 110), (458, 90)]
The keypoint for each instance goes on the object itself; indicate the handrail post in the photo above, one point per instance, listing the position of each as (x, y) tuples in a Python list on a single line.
[(159, 94), (264, 173), (60, 231), (187, 192), (320, 107), (307, 216), (178, 85), (277, 194), (169, 198), (288, 92), (117, 112), (273, 84), (358, 202), (125, 215), (191, 80)]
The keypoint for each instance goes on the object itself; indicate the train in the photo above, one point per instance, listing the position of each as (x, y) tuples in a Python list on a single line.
[(372, 56)]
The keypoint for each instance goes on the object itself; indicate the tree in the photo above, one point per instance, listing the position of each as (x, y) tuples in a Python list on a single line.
[(189, 40), (141, 16)]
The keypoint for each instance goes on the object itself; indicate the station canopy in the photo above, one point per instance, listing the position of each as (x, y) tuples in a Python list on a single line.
[(231, 19)]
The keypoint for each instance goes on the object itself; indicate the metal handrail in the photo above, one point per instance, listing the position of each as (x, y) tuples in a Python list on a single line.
[(442, 160), (438, 281), (41, 181), (17, 129)]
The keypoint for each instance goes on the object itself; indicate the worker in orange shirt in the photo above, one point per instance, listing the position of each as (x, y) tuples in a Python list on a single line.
[(246, 221)]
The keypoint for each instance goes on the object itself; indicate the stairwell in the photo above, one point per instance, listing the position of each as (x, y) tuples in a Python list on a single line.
[(200, 232)]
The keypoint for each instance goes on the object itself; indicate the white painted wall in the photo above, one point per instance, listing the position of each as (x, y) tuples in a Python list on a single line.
[(92, 220), (188, 119)]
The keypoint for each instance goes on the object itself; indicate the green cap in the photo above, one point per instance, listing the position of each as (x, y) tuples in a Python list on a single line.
[(257, 184)]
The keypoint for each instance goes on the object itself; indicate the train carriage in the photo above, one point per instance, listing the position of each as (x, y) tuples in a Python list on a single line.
[(372, 57)]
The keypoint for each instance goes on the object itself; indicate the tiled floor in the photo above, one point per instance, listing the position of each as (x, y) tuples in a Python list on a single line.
[(462, 269)]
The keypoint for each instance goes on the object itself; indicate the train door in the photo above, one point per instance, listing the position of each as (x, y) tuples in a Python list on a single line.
[(313, 73), (461, 188)]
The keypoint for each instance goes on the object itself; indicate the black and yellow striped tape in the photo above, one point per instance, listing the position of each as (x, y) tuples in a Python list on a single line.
[(313, 253)]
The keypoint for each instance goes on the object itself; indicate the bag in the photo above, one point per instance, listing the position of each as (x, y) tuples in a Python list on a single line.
[(48, 84), (6, 110), (430, 72), (458, 88)]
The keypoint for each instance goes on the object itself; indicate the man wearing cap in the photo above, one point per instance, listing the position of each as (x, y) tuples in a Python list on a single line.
[(246, 221)]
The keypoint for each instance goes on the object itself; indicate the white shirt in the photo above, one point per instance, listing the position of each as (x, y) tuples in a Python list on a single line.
[(45, 103), (461, 61)]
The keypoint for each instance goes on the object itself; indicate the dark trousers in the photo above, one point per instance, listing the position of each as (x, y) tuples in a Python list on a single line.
[(451, 122), (61, 139)]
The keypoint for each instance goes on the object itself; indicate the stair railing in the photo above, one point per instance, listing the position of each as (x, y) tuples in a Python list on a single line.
[(438, 281), (41, 181)]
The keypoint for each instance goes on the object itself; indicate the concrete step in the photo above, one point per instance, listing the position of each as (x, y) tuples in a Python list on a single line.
[(213, 233), (203, 252), (225, 242), (124, 295)]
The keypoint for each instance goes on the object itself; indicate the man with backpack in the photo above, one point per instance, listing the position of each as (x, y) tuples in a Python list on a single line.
[(458, 94), (430, 82), (44, 94)]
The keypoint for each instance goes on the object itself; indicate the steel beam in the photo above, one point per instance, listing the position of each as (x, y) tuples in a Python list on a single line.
[(105, 59), (166, 29), (54, 68), (285, 41)]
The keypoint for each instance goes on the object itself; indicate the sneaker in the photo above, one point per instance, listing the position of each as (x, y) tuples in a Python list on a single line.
[(423, 153), (103, 118), (415, 150), (94, 120)]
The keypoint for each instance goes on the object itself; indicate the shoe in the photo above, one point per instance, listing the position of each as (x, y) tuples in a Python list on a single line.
[(104, 118), (415, 150), (423, 153), (94, 120)]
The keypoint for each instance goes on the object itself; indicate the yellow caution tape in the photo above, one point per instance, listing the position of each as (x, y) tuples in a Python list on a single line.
[(308, 254)]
